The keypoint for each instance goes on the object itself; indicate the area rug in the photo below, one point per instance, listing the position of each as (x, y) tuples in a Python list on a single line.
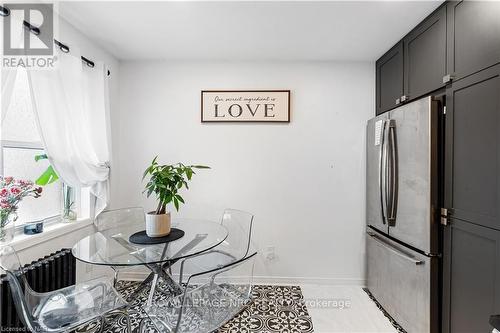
[(273, 309)]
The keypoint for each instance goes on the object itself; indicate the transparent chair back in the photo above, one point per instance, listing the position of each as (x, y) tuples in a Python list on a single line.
[(112, 219), (59, 310), (209, 301), (132, 217), (239, 225), (235, 247)]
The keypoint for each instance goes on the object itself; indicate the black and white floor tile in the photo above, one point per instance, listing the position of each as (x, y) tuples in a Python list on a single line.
[(273, 309)]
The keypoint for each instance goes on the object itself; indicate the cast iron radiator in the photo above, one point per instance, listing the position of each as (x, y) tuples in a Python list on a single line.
[(55, 271)]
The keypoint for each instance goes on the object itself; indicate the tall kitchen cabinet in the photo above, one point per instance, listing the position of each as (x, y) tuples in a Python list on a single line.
[(455, 52), (471, 249), (471, 278)]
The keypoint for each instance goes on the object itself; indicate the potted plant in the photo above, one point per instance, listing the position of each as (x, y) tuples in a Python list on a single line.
[(12, 191), (165, 181)]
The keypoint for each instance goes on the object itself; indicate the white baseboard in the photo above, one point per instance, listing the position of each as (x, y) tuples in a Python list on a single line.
[(272, 280), (133, 276), (280, 280)]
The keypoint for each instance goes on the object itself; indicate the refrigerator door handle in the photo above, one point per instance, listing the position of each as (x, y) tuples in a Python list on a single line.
[(382, 179), (395, 251), (393, 174)]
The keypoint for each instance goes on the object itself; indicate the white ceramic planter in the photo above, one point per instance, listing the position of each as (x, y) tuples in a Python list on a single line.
[(157, 225)]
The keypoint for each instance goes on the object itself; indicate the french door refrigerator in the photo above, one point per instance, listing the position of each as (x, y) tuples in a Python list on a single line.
[(401, 205)]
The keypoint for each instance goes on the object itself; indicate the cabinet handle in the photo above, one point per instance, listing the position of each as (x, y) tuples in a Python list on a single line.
[(404, 98), (445, 215), (398, 101), (448, 78)]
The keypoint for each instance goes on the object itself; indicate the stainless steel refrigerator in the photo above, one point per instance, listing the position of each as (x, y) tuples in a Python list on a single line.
[(401, 205)]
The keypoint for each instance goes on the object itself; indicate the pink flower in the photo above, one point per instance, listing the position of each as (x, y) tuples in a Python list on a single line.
[(24, 183), (12, 191), (15, 190)]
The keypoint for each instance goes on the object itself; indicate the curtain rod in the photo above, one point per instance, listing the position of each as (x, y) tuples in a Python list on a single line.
[(4, 11)]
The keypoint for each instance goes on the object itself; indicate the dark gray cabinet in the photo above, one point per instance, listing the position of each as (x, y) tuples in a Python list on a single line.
[(471, 251), (459, 39), (473, 148), (472, 276), (425, 56), (415, 66), (473, 36), (389, 77)]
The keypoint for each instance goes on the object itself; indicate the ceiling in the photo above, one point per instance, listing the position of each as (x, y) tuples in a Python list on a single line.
[(258, 30)]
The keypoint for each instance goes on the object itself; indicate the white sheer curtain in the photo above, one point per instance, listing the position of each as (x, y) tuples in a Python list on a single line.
[(8, 74), (8, 78), (71, 107)]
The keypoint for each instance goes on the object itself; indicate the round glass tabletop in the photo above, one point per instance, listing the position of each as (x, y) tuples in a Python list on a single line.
[(112, 247)]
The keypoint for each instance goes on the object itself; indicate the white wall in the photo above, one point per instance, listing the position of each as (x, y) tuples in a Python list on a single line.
[(304, 181)]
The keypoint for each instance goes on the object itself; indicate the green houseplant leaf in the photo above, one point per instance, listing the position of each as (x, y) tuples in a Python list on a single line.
[(40, 157), (49, 175)]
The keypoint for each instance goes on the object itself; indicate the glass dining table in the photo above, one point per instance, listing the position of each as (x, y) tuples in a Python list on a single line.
[(112, 247)]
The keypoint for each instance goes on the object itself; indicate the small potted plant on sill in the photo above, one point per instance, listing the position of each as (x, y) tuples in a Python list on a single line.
[(165, 181)]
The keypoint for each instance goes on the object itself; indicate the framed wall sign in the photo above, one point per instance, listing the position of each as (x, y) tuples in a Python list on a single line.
[(245, 106)]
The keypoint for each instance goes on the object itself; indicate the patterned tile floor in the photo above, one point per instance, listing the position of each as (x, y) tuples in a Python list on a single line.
[(273, 309)]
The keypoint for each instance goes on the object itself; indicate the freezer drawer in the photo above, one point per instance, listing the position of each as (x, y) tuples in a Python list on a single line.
[(404, 282)]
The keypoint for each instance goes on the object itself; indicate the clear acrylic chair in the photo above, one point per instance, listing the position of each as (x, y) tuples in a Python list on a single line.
[(61, 310), (210, 299), (235, 247), (114, 219)]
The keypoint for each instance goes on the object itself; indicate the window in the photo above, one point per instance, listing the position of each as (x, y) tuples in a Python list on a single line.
[(20, 143)]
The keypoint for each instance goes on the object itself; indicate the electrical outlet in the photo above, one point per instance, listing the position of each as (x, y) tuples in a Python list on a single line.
[(269, 253)]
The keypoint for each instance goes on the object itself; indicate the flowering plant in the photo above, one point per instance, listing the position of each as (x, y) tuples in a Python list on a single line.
[(12, 191)]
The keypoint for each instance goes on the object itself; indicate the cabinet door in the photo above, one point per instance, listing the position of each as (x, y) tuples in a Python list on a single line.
[(473, 36), (471, 277), (425, 56), (389, 79), (472, 186)]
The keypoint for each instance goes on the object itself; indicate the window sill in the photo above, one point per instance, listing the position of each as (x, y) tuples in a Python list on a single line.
[(53, 230)]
